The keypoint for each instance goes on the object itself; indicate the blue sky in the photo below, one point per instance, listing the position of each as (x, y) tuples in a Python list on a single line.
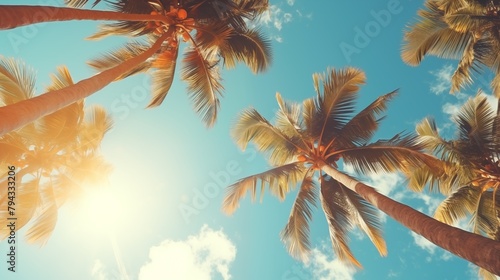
[(162, 219)]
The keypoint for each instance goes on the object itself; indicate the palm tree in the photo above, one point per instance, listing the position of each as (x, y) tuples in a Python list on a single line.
[(311, 139), (467, 30), (473, 159), (55, 158), (221, 36)]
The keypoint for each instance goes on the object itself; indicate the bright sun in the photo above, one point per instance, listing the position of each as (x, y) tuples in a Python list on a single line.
[(100, 209)]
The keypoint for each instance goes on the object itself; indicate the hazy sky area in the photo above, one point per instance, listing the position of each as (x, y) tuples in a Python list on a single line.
[(161, 217)]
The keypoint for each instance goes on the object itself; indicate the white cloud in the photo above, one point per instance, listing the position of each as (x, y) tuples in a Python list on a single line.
[(423, 243), (290, 2), (324, 266), (98, 271), (275, 18), (198, 257), (443, 79)]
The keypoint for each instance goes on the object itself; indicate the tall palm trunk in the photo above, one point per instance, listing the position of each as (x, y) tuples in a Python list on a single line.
[(16, 115), (21, 15), (482, 251)]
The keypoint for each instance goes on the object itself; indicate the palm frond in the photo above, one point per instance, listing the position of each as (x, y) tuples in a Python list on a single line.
[(163, 78), (335, 104), (279, 180), (249, 47), (485, 216), (475, 123), (17, 81), (97, 123), (79, 3), (253, 127), (213, 36), (201, 73), (288, 118), (339, 220), (121, 28), (363, 125), (402, 152), (458, 205), (113, 58), (295, 235), (432, 35), (367, 218)]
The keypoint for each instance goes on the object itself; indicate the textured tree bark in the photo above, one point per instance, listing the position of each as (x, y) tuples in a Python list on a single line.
[(21, 15), (17, 115), (482, 251)]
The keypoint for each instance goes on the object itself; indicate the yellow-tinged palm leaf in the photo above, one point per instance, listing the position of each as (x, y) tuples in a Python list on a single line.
[(401, 153), (97, 123), (288, 118), (249, 47), (462, 75), (12, 147), (163, 78), (295, 235), (279, 180), (17, 81), (79, 3), (468, 18), (252, 127), (201, 73), (335, 104), (339, 220), (431, 35), (113, 58), (475, 122), (212, 36), (360, 128), (458, 205), (43, 225), (486, 275), (367, 218), (485, 216)]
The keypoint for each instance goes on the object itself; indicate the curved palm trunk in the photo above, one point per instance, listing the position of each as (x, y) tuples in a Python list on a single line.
[(21, 15), (21, 113), (482, 251)]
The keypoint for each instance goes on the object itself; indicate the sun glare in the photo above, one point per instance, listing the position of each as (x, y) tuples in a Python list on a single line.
[(100, 209)]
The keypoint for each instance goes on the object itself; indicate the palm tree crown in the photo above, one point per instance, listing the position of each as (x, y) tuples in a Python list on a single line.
[(216, 33), (467, 30), (473, 159), (311, 138), (54, 157)]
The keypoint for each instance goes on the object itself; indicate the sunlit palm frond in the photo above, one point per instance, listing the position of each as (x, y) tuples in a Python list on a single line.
[(431, 35), (402, 152), (367, 218), (122, 28), (339, 219), (486, 275), (468, 18), (452, 6), (253, 127), (97, 123), (12, 147), (485, 216), (458, 205), (363, 125), (89, 169), (249, 47), (288, 118), (201, 73), (335, 104), (79, 3), (462, 75), (279, 180), (43, 225), (113, 58), (295, 235), (251, 8), (475, 123), (213, 36), (163, 78), (17, 81)]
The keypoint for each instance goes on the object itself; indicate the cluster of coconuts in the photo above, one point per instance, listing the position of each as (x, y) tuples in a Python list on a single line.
[(179, 14)]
